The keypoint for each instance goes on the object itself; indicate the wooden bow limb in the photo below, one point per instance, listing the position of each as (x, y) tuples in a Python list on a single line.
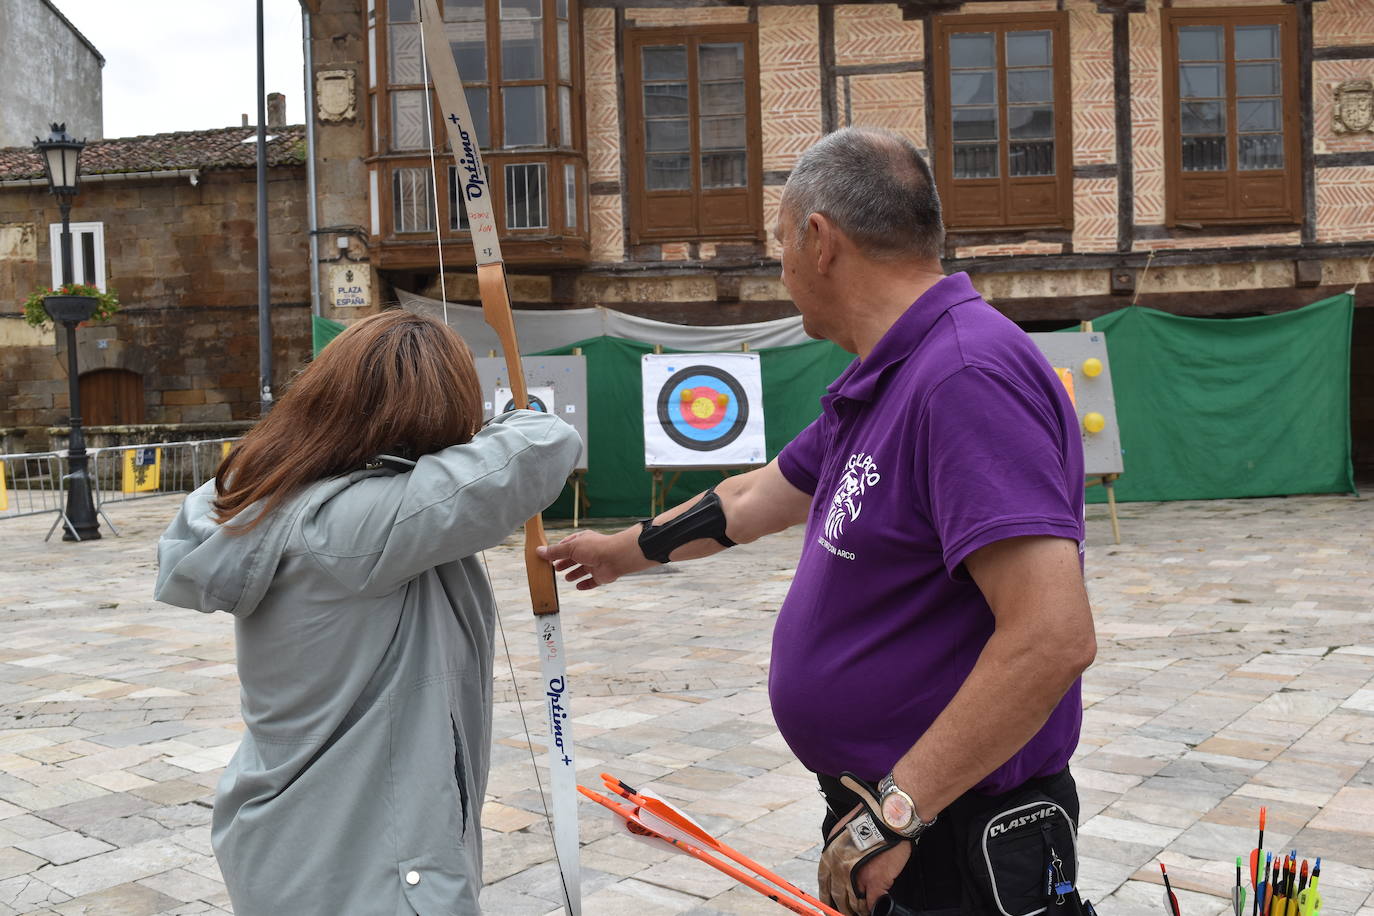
[(471, 177), (496, 310)]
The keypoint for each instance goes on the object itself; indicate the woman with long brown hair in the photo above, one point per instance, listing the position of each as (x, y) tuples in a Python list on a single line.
[(341, 534)]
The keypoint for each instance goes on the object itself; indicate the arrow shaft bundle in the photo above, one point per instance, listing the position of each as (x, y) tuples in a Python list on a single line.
[(656, 819)]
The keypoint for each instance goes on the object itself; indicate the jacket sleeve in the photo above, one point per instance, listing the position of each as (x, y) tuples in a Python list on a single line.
[(383, 530)]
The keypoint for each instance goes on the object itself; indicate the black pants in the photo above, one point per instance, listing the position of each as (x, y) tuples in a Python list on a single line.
[(933, 881)]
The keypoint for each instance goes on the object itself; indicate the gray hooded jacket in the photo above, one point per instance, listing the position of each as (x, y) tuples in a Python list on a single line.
[(364, 625)]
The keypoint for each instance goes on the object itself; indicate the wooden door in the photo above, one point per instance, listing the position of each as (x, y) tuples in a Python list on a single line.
[(111, 397)]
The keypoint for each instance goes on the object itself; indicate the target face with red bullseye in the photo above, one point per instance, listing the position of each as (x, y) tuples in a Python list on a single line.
[(702, 408), (536, 404)]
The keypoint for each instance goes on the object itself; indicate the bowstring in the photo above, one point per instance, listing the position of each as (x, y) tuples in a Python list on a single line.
[(500, 625), (433, 167), (529, 741)]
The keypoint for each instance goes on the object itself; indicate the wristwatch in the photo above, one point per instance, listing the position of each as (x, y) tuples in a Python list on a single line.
[(899, 811)]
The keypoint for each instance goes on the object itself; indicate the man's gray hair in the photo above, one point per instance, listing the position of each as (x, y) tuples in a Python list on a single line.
[(874, 185)]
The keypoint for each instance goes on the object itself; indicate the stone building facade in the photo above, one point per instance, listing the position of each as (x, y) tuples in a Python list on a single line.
[(46, 65), (171, 220), (1188, 155)]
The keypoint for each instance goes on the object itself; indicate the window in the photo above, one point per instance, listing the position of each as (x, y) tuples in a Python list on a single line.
[(570, 196), (1230, 90), (527, 202), (412, 196), (1003, 151), (695, 160), (88, 254), (521, 70)]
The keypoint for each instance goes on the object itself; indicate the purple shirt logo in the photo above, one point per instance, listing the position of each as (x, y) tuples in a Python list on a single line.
[(860, 473)]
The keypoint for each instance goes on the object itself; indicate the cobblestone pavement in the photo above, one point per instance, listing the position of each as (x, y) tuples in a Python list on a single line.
[(1236, 669)]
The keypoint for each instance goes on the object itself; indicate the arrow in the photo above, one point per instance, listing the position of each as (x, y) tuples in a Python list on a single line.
[(654, 817), (650, 827), (1170, 901), (1309, 901)]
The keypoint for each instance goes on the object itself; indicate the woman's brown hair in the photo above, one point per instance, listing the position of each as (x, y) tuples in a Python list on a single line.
[(394, 383)]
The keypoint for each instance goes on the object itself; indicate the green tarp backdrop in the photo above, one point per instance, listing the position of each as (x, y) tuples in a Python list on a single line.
[(794, 378), (322, 331), (1208, 408), (1215, 408)]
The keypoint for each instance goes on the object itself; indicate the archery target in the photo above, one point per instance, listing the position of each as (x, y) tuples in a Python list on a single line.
[(558, 382), (540, 399), (703, 409)]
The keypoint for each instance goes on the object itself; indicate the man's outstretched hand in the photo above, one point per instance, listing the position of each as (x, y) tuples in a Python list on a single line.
[(756, 503), (590, 559)]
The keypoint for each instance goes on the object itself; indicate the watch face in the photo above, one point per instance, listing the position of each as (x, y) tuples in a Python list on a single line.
[(897, 811)]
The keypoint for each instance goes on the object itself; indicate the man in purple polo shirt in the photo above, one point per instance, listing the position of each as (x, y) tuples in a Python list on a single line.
[(926, 661)]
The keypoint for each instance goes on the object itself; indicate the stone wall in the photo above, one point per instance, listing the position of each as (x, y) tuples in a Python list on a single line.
[(867, 34), (676, 274), (344, 202), (183, 259), (46, 73)]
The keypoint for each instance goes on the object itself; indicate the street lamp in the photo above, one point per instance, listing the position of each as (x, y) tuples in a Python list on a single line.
[(62, 163)]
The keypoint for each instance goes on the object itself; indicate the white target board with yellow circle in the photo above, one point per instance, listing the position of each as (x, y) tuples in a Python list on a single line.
[(1080, 361), (703, 410)]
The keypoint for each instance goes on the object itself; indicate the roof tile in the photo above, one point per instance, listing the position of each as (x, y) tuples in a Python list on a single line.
[(221, 148)]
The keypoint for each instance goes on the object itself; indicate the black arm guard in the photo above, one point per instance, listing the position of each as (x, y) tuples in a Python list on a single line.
[(704, 520)]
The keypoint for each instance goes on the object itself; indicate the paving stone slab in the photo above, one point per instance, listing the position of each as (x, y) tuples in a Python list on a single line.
[(65, 847), (1235, 669)]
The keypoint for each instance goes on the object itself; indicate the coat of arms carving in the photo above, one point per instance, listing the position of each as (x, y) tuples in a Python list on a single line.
[(335, 95), (1354, 112)]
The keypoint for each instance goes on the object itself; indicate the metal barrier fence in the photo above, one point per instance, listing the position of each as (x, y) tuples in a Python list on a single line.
[(126, 472), (31, 484), (35, 483)]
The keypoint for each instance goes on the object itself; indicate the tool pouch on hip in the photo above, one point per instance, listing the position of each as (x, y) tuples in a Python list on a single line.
[(1021, 853)]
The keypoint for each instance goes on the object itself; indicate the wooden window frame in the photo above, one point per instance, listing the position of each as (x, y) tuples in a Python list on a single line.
[(1284, 185), (554, 245), (1005, 184), (640, 198)]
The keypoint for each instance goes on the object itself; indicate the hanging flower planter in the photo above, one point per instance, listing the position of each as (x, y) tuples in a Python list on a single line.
[(72, 302)]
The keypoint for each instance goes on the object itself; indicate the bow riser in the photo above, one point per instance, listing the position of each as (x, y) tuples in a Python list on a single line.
[(491, 282), (496, 309)]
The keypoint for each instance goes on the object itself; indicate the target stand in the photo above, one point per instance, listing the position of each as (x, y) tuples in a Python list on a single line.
[(556, 385), (658, 492), (1080, 360), (702, 412)]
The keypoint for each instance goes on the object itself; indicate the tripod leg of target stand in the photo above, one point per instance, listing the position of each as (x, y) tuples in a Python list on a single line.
[(667, 488), (1107, 481)]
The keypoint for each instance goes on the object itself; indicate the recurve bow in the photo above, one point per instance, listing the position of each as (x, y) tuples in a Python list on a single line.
[(496, 309)]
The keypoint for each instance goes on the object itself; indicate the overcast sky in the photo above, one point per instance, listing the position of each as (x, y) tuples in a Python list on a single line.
[(178, 65)]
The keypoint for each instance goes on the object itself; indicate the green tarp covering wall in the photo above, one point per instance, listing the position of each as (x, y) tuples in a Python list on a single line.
[(322, 331), (1208, 408), (1222, 408), (794, 378)]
